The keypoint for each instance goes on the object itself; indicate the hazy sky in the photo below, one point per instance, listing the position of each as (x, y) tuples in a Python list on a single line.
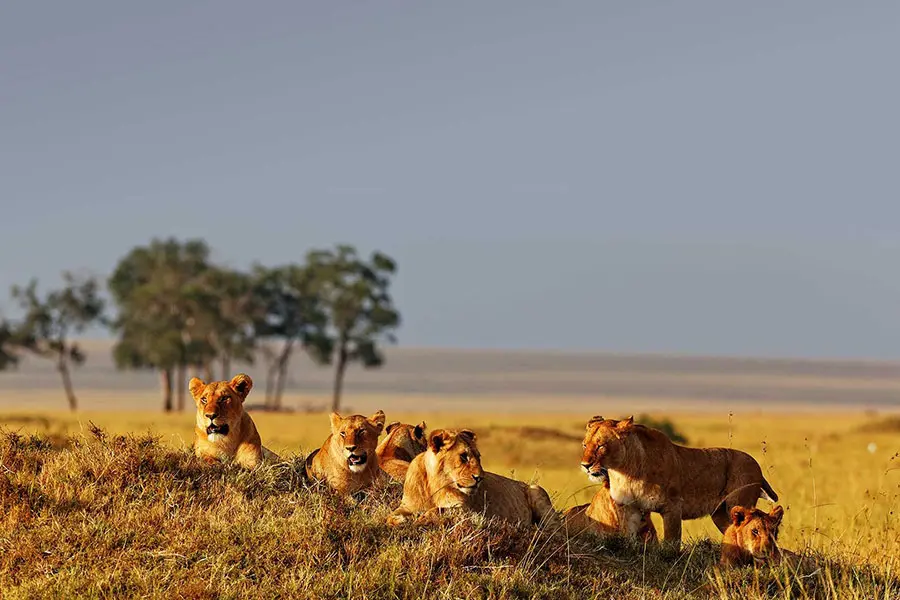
[(707, 177)]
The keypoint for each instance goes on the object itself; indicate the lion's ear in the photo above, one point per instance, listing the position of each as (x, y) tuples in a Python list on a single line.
[(776, 514), (335, 422), (438, 439), (594, 419), (196, 385), (467, 435), (377, 420), (242, 384), (419, 431), (738, 514), (390, 426), (625, 424)]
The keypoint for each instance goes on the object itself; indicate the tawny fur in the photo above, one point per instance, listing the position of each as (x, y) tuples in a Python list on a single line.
[(221, 403), (752, 537), (402, 443), (603, 517), (647, 472), (448, 475), (357, 436)]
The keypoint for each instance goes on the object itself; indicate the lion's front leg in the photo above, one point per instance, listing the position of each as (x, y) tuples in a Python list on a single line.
[(248, 456), (672, 525)]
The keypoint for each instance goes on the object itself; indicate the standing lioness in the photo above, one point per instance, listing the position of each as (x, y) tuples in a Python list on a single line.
[(647, 472), (223, 428)]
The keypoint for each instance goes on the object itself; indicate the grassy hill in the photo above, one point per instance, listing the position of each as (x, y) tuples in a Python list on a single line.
[(97, 514)]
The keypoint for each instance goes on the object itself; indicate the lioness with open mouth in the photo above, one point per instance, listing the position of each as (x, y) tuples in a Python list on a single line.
[(347, 460), (223, 429)]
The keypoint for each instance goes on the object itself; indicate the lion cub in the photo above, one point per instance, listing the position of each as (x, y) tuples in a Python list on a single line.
[(449, 475), (401, 444), (223, 428), (603, 517), (347, 460), (649, 473), (752, 537)]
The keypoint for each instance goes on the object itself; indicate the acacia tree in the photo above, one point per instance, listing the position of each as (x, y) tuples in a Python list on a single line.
[(9, 344), (355, 296), (162, 293), (49, 322), (292, 313), (235, 307)]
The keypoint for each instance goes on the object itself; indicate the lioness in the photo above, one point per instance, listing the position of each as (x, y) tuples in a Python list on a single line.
[(752, 537), (603, 517), (401, 444), (347, 460), (449, 475), (647, 472), (223, 428)]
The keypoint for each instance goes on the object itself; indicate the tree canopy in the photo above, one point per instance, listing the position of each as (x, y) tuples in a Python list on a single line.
[(51, 320), (179, 313)]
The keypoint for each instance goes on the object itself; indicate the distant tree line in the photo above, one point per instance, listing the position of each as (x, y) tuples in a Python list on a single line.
[(177, 312)]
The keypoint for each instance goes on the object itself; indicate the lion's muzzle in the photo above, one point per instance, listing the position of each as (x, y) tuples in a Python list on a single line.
[(470, 489), (357, 462), (217, 429), (596, 473)]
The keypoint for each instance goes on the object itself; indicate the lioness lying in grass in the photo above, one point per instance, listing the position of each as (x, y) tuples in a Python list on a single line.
[(449, 475)]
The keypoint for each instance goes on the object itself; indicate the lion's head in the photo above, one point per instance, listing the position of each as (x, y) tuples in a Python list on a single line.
[(407, 441), (453, 461), (220, 404), (604, 446), (755, 531), (355, 438)]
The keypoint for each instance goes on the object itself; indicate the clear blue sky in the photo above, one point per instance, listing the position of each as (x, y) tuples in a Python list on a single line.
[(712, 177)]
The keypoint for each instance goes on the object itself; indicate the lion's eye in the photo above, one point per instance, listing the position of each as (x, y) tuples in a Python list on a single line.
[(343, 435), (583, 445), (755, 532), (464, 457), (203, 401)]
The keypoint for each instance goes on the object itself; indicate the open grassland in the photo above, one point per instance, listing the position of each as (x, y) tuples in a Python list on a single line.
[(140, 517)]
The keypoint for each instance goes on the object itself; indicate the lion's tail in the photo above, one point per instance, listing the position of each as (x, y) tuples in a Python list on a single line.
[(768, 493)]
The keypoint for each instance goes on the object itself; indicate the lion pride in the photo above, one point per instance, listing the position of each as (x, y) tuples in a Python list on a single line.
[(648, 472), (402, 443), (448, 475), (751, 537), (347, 461), (223, 428), (603, 517)]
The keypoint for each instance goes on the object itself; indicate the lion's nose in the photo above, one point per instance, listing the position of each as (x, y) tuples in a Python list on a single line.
[(211, 416), (586, 466), (477, 478), (350, 448)]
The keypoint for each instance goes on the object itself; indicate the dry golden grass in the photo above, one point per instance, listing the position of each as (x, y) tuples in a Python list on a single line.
[(103, 519)]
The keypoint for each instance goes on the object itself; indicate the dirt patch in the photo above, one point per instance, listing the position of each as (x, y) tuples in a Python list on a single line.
[(534, 433), (888, 425)]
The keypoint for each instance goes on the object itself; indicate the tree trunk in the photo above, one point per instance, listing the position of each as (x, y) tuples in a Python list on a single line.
[(270, 383), (182, 385), (339, 377), (63, 367), (276, 376), (282, 375), (166, 380), (226, 367), (208, 372)]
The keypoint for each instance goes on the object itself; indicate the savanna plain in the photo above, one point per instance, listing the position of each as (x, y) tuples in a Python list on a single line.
[(109, 501)]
